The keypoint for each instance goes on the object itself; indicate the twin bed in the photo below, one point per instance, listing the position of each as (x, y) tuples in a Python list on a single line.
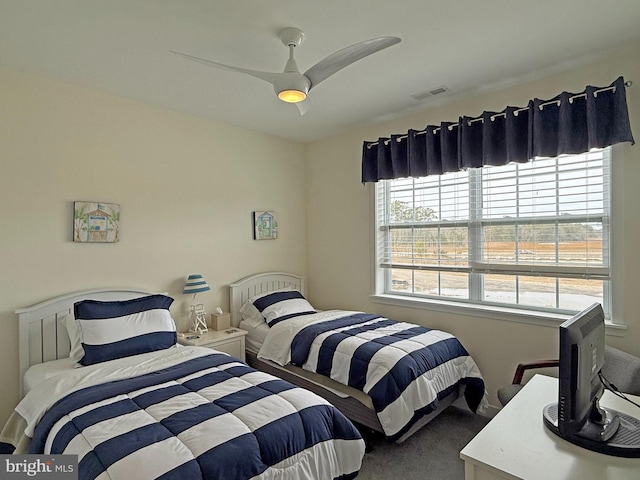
[(137, 410), (192, 412), (355, 353)]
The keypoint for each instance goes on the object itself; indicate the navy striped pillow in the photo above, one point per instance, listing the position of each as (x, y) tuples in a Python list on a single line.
[(279, 306), (111, 330)]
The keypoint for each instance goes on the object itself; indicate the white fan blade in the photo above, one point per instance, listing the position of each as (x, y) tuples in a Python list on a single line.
[(345, 57), (266, 76), (304, 105)]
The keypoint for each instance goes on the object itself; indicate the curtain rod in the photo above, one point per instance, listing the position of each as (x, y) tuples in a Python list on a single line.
[(628, 83)]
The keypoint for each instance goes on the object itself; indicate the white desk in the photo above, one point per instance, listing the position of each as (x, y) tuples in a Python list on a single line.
[(516, 444)]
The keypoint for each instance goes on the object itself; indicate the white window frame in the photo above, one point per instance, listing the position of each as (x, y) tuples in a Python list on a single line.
[(517, 313)]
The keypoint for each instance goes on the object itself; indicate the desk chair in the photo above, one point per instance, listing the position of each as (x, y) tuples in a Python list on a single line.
[(620, 368)]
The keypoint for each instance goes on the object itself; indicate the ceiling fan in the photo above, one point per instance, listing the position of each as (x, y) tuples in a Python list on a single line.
[(292, 86)]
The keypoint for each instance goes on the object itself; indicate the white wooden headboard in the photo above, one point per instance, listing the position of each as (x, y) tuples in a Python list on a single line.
[(266, 282), (41, 336)]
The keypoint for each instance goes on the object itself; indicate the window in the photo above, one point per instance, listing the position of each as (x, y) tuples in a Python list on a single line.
[(533, 236)]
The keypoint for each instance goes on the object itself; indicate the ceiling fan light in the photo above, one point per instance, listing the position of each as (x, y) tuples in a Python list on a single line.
[(292, 96)]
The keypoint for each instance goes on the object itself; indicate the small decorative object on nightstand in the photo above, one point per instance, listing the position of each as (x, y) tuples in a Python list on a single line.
[(229, 341), (196, 284), (220, 320)]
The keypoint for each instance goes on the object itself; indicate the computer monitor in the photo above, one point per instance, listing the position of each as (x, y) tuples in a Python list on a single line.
[(578, 416)]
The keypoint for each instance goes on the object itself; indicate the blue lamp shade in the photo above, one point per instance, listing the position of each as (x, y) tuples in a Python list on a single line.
[(195, 284)]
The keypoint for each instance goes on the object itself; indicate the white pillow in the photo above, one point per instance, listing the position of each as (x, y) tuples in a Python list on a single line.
[(77, 352), (250, 314)]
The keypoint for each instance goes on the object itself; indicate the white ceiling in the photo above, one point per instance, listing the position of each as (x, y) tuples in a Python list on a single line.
[(122, 47)]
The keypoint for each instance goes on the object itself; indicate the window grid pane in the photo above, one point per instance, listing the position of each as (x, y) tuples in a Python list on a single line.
[(484, 231)]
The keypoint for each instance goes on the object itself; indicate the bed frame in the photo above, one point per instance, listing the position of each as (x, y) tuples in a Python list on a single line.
[(41, 336), (354, 409)]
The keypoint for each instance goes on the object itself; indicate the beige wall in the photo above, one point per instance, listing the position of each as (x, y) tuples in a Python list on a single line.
[(340, 233), (186, 187)]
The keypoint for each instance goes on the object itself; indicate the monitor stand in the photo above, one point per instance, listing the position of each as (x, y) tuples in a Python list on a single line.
[(625, 442)]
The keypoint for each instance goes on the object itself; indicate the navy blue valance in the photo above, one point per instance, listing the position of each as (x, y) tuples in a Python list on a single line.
[(567, 124)]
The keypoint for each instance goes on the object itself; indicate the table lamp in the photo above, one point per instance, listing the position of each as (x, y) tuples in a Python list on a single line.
[(195, 284)]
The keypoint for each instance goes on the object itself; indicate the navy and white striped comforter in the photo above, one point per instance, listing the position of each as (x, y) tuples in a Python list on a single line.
[(405, 369), (210, 417)]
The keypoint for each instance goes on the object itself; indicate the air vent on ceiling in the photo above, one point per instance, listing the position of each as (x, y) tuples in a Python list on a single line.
[(430, 93)]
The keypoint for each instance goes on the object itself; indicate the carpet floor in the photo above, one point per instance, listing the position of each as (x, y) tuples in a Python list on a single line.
[(432, 453)]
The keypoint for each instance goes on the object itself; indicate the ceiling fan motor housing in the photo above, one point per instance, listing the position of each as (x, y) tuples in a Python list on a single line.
[(292, 81)]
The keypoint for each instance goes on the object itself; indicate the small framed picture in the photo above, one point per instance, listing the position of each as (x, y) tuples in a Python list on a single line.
[(265, 225), (95, 222)]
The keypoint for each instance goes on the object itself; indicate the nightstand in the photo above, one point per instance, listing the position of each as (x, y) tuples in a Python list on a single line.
[(229, 341)]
